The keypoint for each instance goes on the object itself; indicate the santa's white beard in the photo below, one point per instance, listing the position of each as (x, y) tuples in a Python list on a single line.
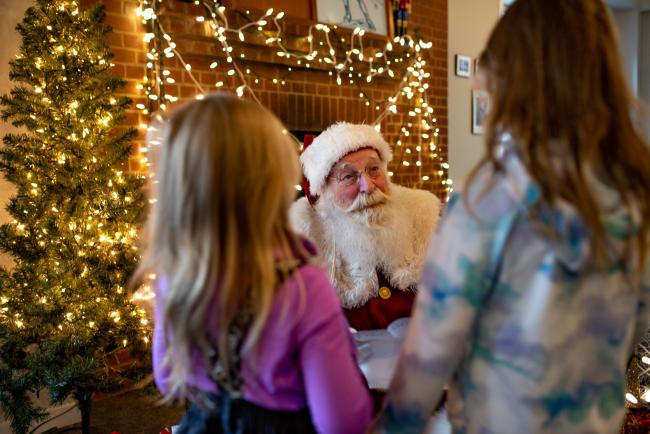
[(356, 241), (371, 234), (366, 209)]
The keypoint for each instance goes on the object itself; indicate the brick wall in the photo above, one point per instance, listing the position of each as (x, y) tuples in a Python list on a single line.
[(309, 99)]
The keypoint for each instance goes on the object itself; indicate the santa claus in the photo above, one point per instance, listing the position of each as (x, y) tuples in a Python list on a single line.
[(372, 235)]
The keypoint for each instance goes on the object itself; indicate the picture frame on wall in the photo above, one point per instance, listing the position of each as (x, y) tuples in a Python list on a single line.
[(374, 16), (480, 107), (463, 65)]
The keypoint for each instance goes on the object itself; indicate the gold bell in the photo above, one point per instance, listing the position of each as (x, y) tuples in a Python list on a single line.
[(384, 292)]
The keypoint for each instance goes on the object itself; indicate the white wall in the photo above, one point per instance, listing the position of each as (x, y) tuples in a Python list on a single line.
[(470, 23), (644, 61), (628, 29), (11, 12), (634, 29), (644, 66)]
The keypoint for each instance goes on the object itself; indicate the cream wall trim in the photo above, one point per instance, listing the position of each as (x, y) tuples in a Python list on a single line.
[(627, 23)]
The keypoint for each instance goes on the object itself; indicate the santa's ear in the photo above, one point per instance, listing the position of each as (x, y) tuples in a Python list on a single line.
[(309, 138)]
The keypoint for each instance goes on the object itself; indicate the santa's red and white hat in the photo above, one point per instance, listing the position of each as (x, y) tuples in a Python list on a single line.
[(334, 143)]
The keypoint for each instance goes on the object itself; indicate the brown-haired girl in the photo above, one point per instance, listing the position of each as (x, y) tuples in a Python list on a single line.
[(245, 328), (538, 287)]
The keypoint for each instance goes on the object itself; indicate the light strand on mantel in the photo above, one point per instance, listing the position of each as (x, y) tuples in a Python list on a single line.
[(161, 46), (149, 14)]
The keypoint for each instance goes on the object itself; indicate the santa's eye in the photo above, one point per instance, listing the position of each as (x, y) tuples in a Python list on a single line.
[(373, 171), (348, 178)]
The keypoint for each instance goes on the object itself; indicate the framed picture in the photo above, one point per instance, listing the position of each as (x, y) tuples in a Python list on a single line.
[(373, 16), (480, 107), (463, 65)]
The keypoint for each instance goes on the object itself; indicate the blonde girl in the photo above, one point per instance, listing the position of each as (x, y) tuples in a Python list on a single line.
[(245, 328)]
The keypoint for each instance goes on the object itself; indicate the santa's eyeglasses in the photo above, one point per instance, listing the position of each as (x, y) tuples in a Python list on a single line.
[(347, 175)]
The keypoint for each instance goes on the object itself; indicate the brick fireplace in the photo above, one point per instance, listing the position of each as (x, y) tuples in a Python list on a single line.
[(305, 99)]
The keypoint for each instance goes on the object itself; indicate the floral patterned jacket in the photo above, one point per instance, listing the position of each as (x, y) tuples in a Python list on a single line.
[(529, 336)]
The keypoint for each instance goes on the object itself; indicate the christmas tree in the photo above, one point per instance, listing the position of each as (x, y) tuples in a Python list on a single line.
[(64, 312)]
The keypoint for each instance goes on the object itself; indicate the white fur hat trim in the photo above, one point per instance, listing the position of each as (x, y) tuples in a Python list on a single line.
[(335, 143)]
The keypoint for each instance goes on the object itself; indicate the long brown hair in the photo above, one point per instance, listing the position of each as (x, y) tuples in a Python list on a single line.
[(553, 72), (226, 173)]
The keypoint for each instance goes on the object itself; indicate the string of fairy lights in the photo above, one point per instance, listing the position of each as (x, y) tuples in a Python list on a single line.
[(91, 236), (356, 63)]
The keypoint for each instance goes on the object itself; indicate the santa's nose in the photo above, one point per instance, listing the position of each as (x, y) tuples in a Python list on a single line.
[(365, 184)]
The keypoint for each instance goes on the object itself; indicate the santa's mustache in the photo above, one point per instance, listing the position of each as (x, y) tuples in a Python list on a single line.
[(364, 201)]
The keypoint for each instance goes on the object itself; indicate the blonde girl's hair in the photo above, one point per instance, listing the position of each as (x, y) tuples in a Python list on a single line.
[(226, 176), (553, 72)]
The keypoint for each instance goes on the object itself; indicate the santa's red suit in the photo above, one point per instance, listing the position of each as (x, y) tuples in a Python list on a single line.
[(374, 266)]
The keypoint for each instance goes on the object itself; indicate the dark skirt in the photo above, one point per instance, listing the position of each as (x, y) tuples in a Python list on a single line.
[(237, 416)]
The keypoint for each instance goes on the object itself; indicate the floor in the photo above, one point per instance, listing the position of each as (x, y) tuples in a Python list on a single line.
[(138, 412), (133, 412)]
